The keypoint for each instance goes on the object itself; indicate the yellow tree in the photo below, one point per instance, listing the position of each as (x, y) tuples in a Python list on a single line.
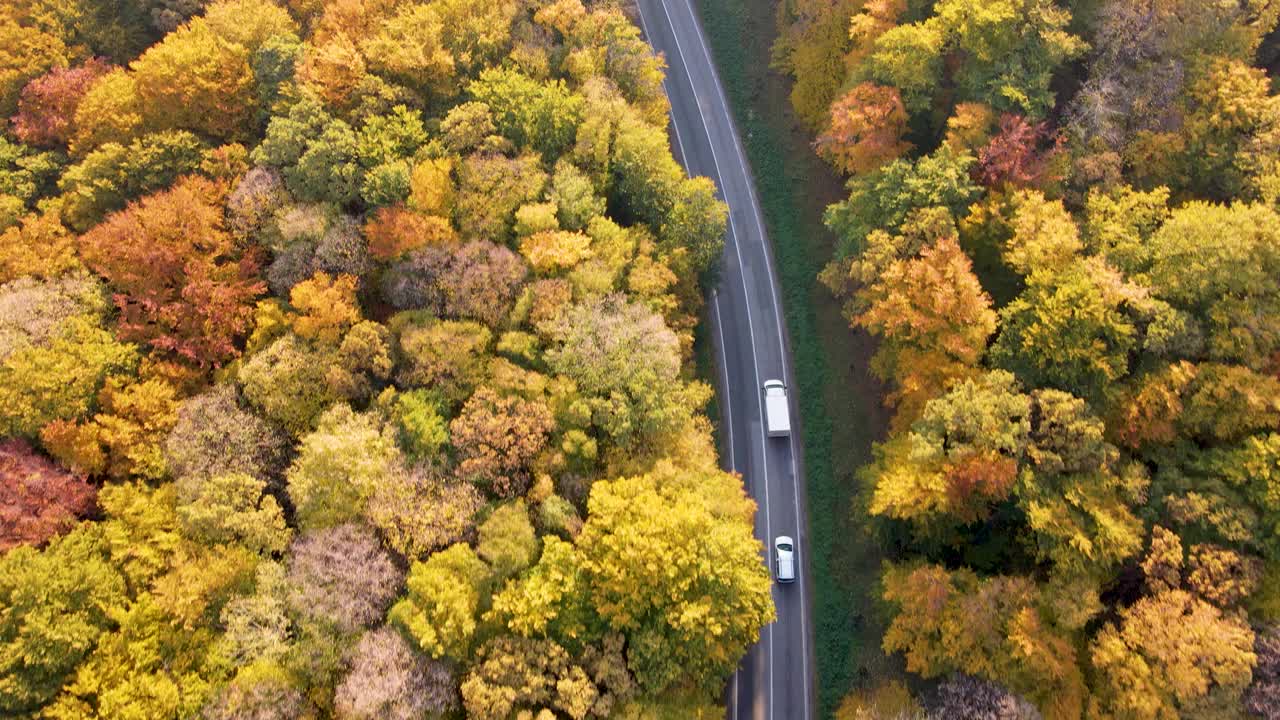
[(196, 80), (327, 305), (999, 628), (693, 609), (444, 595), (935, 319), (1171, 656)]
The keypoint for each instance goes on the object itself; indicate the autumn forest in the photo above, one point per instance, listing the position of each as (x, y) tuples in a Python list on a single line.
[(1060, 226), (351, 367), (346, 368)]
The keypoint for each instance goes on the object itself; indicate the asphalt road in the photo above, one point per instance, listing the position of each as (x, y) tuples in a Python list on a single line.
[(775, 679)]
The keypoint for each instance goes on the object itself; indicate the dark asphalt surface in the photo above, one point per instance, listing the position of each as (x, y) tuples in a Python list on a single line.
[(775, 679)]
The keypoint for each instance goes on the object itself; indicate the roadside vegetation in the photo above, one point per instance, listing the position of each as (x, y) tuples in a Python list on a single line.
[(840, 411), (1060, 224), (347, 369)]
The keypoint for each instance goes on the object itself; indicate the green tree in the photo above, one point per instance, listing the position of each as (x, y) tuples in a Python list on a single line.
[(424, 430), (909, 58), (490, 190), (440, 611), (1076, 504), (695, 224), (1232, 131), (233, 508), (886, 198), (59, 602), (61, 380), (25, 177), (961, 456), (1009, 50), (1119, 224), (115, 174), (448, 356), (627, 362), (548, 601), (287, 382), (507, 540), (338, 467), (317, 154), (1220, 264), (1070, 330), (540, 116)]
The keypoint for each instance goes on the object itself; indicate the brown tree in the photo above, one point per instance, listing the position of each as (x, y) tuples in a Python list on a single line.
[(1020, 154), (342, 577), (497, 437), (1263, 696), (389, 681)]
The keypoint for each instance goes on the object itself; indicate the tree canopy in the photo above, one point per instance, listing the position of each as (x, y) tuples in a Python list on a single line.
[(1060, 231), (326, 329)]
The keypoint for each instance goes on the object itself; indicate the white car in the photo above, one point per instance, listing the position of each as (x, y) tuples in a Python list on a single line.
[(784, 558)]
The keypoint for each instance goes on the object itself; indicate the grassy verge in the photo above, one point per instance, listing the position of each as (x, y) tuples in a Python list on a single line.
[(839, 402)]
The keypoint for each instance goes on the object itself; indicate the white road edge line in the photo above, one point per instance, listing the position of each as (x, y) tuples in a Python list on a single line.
[(724, 367), (764, 443), (777, 314)]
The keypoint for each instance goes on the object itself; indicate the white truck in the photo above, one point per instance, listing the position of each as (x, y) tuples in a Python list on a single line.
[(777, 416)]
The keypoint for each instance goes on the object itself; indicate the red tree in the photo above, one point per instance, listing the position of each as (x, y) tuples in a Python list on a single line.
[(183, 284), (38, 500), (1020, 154), (49, 102)]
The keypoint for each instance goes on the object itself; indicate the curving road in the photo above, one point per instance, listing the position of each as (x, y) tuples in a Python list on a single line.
[(775, 679)]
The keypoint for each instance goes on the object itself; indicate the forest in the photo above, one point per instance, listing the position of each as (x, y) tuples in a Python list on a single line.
[(1061, 226), (346, 369)]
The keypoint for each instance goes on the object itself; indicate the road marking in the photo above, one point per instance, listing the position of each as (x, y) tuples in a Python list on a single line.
[(773, 295), (750, 326), (724, 366)]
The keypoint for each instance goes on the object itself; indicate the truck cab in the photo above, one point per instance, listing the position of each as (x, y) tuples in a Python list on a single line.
[(777, 413)]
